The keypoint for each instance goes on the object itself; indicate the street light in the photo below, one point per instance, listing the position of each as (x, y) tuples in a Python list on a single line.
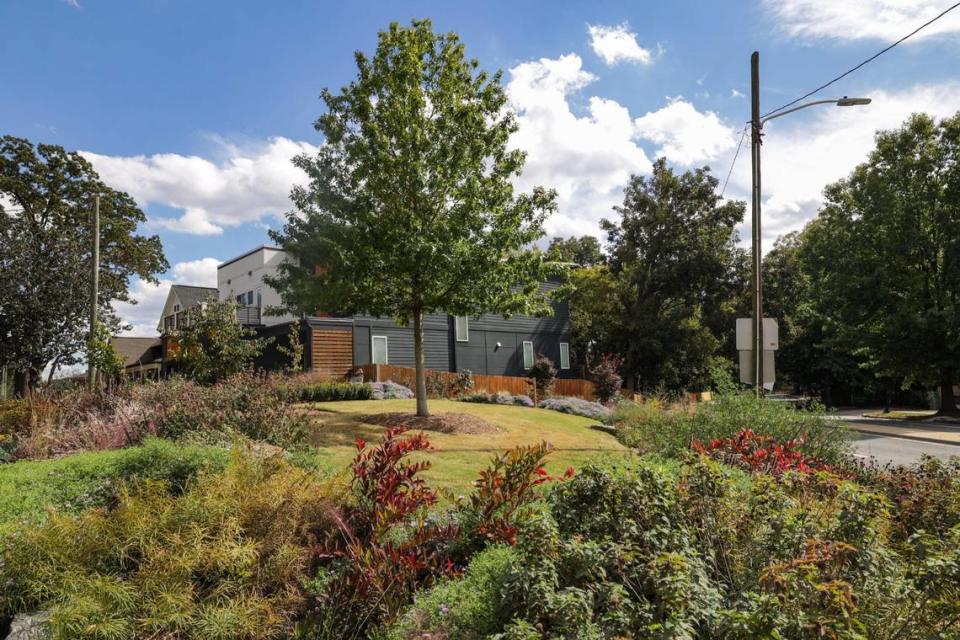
[(756, 125)]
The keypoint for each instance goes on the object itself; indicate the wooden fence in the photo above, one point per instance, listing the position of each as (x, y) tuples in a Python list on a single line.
[(491, 384)]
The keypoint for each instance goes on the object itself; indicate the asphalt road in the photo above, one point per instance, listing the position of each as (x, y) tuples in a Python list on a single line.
[(900, 450)]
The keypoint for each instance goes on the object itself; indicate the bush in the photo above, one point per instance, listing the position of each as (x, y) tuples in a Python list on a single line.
[(605, 374), (501, 397), (83, 480), (467, 608), (671, 431), (245, 404), (226, 559), (578, 407), (326, 392), (542, 375), (389, 390), (760, 454)]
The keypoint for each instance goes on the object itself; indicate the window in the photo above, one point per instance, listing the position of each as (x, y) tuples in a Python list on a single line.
[(527, 354), (379, 350), (176, 308), (249, 298), (564, 355), (259, 299), (240, 299), (461, 328)]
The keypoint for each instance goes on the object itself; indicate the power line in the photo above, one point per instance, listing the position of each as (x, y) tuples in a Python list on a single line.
[(868, 60), (734, 161)]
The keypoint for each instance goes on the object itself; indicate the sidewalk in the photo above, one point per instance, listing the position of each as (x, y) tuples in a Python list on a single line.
[(939, 433)]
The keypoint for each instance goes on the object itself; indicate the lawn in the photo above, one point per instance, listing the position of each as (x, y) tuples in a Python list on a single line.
[(458, 458)]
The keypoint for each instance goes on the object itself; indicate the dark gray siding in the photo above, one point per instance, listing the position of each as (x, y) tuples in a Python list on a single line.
[(400, 341)]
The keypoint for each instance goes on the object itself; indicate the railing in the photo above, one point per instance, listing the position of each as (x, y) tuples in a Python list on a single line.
[(491, 384), (248, 315)]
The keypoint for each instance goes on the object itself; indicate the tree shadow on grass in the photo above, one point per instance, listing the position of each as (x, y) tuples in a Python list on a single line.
[(342, 430)]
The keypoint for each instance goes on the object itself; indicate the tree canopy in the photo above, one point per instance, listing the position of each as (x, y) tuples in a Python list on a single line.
[(46, 204), (584, 251), (410, 207), (211, 345)]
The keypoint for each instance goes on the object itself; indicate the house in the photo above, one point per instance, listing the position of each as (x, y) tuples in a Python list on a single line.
[(142, 357), (489, 344)]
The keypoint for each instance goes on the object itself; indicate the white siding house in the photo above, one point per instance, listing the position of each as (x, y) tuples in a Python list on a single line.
[(241, 280)]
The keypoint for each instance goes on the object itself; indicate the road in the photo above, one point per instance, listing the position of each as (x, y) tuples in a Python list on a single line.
[(900, 450)]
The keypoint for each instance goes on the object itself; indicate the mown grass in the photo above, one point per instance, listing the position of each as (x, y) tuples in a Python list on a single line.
[(457, 459)]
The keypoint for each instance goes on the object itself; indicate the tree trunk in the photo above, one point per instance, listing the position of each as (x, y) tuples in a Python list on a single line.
[(24, 381), (948, 403), (418, 359)]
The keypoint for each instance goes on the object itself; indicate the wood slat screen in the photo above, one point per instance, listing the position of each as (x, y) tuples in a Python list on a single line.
[(332, 352)]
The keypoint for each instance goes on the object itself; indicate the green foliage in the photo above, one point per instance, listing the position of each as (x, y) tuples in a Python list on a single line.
[(101, 354), (467, 607), (45, 252), (85, 480), (650, 428), (325, 392), (663, 302), (411, 209), (225, 559), (583, 251), (293, 349), (212, 345)]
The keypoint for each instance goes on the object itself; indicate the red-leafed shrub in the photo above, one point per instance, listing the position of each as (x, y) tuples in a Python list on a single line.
[(760, 454)]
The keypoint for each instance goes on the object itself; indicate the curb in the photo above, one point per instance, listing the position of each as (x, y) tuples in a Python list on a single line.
[(906, 437)]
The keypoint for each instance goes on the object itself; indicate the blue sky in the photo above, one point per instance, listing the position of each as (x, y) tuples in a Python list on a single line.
[(195, 107)]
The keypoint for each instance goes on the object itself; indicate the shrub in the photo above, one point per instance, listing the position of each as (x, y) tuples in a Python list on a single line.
[(226, 559), (326, 392), (501, 397), (389, 390), (467, 607), (542, 374), (578, 407), (605, 374), (83, 480), (760, 454), (245, 404), (671, 431), (211, 345)]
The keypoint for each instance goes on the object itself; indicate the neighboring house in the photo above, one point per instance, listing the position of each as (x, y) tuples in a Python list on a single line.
[(142, 357), (241, 280), (489, 344), (180, 298)]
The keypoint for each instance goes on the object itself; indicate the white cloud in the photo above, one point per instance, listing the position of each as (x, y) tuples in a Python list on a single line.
[(735, 94), (686, 136), (150, 298), (802, 155), (887, 20), (616, 44), (587, 158), (247, 186)]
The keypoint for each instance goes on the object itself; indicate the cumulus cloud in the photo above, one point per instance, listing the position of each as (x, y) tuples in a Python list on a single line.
[(247, 186), (143, 316), (586, 158), (887, 20), (804, 154), (686, 136), (617, 44)]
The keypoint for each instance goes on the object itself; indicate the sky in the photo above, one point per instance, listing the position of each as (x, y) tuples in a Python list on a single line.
[(195, 107)]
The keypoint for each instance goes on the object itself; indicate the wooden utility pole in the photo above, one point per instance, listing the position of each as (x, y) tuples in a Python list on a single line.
[(94, 292), (755, 142)]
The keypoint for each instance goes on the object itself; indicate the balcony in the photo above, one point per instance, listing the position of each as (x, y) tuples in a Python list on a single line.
[(248, 316)]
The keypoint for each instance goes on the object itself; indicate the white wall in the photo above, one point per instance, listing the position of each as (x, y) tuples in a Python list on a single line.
[(240, 276)]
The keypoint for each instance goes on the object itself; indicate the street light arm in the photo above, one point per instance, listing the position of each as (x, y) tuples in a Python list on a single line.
[(797, 108)]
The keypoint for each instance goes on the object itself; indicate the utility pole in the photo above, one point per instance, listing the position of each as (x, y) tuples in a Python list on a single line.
[(756, 127), (94, 291)]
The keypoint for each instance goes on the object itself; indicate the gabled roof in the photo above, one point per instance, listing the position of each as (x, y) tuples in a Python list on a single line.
[(191, 296), (135, 350)]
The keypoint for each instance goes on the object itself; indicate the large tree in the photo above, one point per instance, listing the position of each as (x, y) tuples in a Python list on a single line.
[(410, 207), (46, 207), (584, 251), (672, 255), (885, 254)]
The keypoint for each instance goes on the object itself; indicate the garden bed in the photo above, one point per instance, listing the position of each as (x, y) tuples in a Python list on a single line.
[(451, 423)]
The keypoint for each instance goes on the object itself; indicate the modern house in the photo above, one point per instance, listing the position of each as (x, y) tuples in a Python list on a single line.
[(489, 344)]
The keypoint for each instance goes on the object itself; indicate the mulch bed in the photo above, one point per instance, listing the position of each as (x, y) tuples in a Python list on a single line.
[(439, 423)]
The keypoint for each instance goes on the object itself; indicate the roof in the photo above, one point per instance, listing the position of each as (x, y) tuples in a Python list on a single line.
[(248, 253), (191, 296), (135, 350)]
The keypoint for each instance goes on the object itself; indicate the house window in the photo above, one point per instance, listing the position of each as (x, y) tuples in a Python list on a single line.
[(527, 354), (379, 350), (462, 328), (249, 298), (176, 308), (564, 355), (240, 299), (259, 299)]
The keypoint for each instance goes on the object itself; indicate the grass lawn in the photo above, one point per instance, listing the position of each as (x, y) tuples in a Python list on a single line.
[(903, 414), (458, 458)]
